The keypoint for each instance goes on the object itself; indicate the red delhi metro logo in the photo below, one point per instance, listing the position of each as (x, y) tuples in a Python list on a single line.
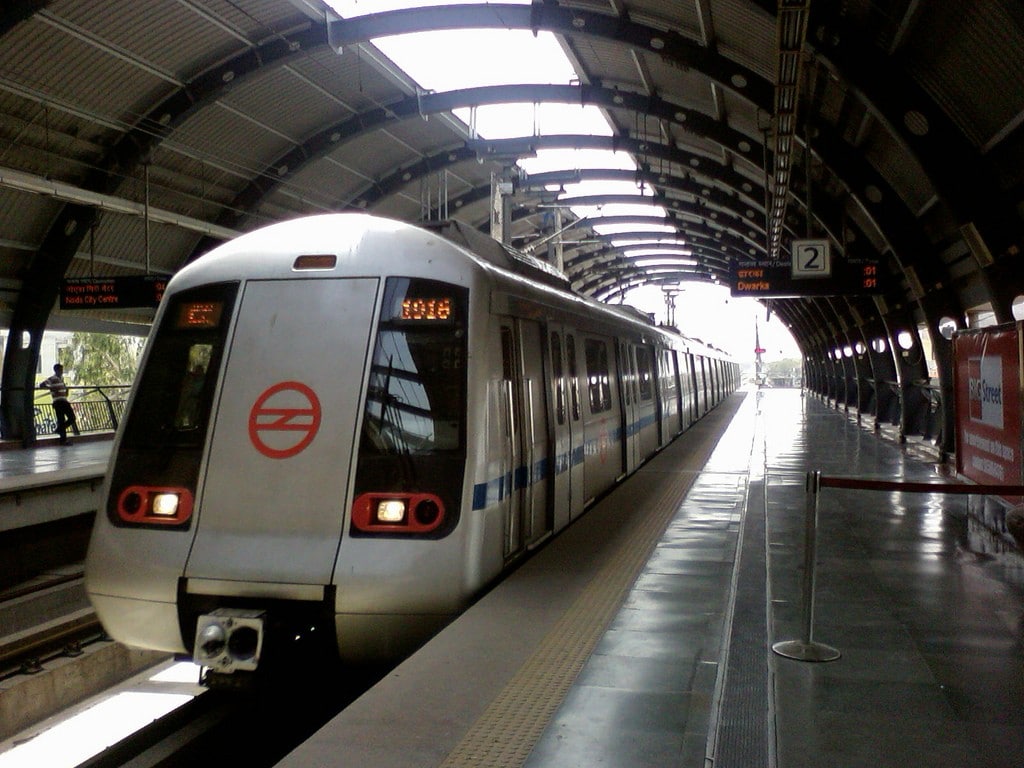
[(284, 420)]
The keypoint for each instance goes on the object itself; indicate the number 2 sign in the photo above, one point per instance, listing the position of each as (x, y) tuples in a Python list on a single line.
[(811, 258)]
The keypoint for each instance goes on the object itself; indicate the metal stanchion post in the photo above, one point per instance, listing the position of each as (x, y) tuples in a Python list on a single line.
[(806, 649)]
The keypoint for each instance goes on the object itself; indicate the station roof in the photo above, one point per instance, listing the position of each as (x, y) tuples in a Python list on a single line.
[(136, 134)]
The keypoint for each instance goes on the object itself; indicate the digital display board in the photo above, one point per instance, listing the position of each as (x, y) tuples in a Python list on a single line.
[(849, 277), (427, 309), (199, 314), (112, 292)]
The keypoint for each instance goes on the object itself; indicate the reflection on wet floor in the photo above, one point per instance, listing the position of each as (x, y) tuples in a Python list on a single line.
[(929, 627)]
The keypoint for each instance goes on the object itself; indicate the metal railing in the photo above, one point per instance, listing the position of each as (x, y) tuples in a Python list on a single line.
[(97, 409)]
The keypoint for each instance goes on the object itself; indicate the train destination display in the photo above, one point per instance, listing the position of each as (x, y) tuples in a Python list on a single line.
[(811, 271)]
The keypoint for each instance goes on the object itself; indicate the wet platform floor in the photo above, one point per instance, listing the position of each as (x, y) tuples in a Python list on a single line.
[(927, 618), (681, 671)]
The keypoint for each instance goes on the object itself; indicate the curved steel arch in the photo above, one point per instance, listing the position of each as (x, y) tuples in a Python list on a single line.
[(572, 22), (636, 282), (329, 139), (699, 245), (671, 46), (725, 220), (612, 272), (527, 146), (715, 199)]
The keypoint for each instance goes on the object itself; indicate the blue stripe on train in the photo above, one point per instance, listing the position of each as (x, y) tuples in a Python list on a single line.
[(495, 490)]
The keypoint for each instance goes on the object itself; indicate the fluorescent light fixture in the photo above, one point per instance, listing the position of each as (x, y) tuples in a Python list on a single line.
[(658, 253), (628, 242), (667, 261)]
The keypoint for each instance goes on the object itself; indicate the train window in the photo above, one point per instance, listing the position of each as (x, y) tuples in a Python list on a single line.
[(558, 378), (416, 396), (190, 398), (574, 384), (175, 396), (643, 370), (596, 353)]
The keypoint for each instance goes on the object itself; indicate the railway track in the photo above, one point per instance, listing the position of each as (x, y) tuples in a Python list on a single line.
[(40, 628), (255, 727)]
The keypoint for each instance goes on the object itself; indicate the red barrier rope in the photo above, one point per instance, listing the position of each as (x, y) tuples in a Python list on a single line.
[(912, 487)]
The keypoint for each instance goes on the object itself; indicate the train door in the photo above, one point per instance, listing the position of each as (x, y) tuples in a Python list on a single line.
[(630, 427), (696, 389), (682, 365), (701, 377), (667, 396), (576, 453), (271, 507), (677, 386), (564, 415), (528, 521)]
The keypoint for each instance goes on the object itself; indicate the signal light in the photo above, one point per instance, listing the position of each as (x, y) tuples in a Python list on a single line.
[(390, 512), (156, 506)]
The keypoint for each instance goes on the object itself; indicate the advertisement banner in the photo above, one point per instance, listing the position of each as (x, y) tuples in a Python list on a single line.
[(987, 378)]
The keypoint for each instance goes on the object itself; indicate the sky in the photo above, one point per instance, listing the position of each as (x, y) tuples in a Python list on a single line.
[(540, 60)]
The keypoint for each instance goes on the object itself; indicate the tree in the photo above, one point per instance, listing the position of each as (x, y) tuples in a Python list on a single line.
[(101, 359)]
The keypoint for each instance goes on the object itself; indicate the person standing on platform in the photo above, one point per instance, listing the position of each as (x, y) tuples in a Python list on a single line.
[(61, 406)]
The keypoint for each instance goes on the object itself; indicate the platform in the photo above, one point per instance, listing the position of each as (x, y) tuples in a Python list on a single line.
[(642, 635), (50, 482)]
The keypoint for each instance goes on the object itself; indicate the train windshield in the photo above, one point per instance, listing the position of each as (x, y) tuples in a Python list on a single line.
[(172, 405), (416, 398)]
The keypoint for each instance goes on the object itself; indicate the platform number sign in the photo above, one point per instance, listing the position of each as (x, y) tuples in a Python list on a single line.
[(811, 258)]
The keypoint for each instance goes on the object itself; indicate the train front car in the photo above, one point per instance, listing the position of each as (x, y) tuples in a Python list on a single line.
[(289, 474)]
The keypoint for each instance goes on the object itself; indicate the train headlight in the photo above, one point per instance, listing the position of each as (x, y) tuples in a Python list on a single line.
[(408, 513), (390, 511), (165, 504), (147, 505)]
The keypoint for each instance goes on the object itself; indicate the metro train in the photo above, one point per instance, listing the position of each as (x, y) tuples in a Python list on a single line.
[(344, 428)]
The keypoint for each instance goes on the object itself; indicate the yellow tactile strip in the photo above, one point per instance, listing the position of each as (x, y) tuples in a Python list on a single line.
[(505, 733)]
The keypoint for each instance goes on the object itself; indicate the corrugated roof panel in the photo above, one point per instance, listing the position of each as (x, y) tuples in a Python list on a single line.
[(745, 34), (901, 170), (286, 103), (98, 86), (662, 14), (118, 247), (256, 19), (424, 137), (166, 36), (230, 141), (316, 189), (977, 73), (200, 189), (685, 87), (350, 77), (608, 63), (44, 142)]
